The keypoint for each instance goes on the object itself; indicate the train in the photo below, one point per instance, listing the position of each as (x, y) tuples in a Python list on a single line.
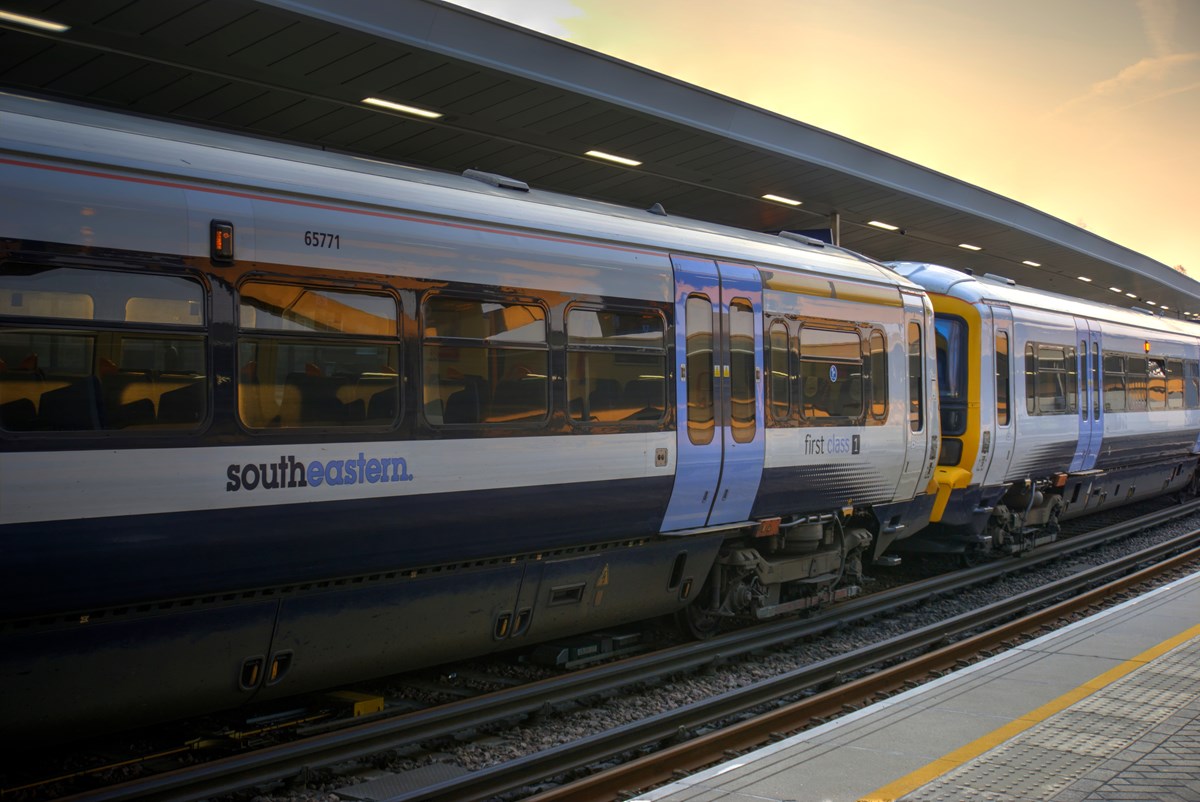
[(1051, 408), (274, 418)]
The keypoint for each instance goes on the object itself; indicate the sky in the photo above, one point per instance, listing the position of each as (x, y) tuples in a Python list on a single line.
[(1088, 110)]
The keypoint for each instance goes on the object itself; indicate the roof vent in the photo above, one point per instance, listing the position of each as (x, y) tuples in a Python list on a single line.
[(792, 235), (658, 209), (496, 180), (1001, 279)]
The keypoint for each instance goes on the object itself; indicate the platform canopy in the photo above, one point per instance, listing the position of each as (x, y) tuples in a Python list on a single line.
[(532, 107)]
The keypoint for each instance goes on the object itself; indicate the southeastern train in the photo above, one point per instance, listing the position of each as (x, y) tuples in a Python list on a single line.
[(1051, 408), (273, 418)]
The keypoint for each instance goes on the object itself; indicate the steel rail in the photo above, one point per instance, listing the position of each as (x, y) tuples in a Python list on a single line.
[(274, 763), (648, 733)]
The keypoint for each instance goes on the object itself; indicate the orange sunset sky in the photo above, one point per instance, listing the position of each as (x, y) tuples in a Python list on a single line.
[(1088, 110)]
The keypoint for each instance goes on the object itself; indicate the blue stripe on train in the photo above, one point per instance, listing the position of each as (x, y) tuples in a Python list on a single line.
[(73, 565)]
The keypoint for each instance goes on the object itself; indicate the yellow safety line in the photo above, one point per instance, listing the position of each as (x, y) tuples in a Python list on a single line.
[(953, 760)]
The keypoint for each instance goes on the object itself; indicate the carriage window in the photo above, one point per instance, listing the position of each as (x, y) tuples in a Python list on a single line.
[(316, 357), (916, 378), (701, 414), (781, 373), (1114, 382), (99, 350), (1136, 375), (616, 366), (743, 387), (1156, 384), (879, 375), (1175, 384), (1191, 384), (950, 335), (1002, 378), (485, 362), (1054, 379), (831, 375)]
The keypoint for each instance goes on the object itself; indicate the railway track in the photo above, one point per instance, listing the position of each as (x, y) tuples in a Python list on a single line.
[(825, 680)]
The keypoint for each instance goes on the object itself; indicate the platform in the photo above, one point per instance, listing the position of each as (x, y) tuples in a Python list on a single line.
[(1107, 708)]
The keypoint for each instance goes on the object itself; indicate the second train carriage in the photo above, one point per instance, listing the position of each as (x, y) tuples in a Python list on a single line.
[(273, 418), (1051, 407)]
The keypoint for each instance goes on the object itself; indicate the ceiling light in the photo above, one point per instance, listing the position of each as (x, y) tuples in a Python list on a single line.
[(1130, 295), (1116, 289), (33, 22), (1085, 278), (1036, 264), (400, 107), (1152, 303), (599, 154), (1166, 307), (781, 199), (884, 226), (969, 247)]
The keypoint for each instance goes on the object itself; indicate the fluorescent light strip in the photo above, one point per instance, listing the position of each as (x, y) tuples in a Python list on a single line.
[(969, 247), (33, 22), (1130, 295), (599, 154), (1084, 278), (1035, 264), (781, 199), (1116, 289), (884, 226), (400, 107)]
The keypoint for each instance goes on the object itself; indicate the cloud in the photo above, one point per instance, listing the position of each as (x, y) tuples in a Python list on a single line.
[(543, 16), (1158, 18)]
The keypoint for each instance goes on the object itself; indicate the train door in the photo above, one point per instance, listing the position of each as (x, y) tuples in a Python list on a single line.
[(721, 444), (922, 392), (1090, 410), (1002, 431)]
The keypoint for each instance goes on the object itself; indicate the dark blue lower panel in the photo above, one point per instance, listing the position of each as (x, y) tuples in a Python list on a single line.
[(107, 673), (804, 490), (82, 565)]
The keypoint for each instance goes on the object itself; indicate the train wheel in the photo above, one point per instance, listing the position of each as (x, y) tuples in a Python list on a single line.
[(697, 620)]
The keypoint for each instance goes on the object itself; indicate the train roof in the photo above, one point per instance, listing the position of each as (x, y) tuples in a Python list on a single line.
[(53, 130), (976, 289)]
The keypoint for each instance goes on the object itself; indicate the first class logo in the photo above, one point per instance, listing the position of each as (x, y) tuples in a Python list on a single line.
[(290, 472)]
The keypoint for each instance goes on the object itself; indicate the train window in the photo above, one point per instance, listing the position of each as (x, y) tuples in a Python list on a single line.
[(1030, 380), (1191, 384), (1071, 364), (1051, 380), (1156, 384), (1175, 383), (1002, 381), (877, 357), (916, 378), (1096, 382), (1083, 353), (485, 362), (743, 387), (831, 376), (950, 334), (316, 357), (778, 353), (701, 415), (616, 366), (1114, 382), (1136, 374), (133, 357)]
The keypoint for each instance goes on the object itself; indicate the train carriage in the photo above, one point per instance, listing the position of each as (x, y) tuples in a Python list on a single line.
[(1051, 408), (273, 418)]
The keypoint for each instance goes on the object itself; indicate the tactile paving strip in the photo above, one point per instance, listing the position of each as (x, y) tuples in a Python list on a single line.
[(1062, 755)]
